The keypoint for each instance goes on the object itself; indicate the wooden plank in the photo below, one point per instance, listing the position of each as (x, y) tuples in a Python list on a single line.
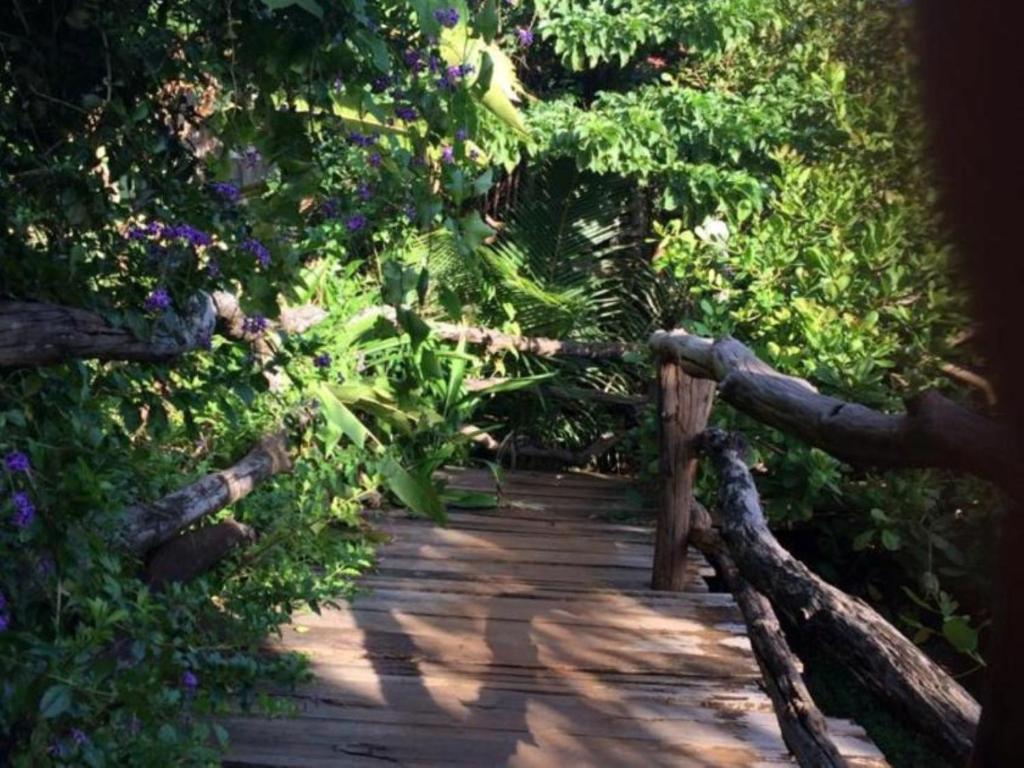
[(524, 636)]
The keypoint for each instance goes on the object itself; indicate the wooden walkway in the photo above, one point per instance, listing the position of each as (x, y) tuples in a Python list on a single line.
[(527, 636)]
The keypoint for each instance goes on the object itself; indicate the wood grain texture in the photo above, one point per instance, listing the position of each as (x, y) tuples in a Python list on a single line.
[(879, 654), (934, 431), (525, 640)]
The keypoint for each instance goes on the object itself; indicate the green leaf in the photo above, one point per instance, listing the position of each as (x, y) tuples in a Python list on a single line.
[(960, 634), (339, 420), (417, 494), (863, 540), (470, 499), (486, 21), (473, 231), (55, 702), (890, 540)]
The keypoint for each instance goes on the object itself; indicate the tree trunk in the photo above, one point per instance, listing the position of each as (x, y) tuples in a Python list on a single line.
[(192, 554), (683, 407), (36, 333), (886, 661)]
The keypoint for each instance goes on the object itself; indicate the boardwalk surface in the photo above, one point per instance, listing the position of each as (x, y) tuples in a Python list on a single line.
[(527, 636)]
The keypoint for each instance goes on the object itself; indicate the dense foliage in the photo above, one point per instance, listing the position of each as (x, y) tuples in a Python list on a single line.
[(743, 166)]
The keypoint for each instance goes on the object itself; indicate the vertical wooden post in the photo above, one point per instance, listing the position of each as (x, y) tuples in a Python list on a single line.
[(683, 407)]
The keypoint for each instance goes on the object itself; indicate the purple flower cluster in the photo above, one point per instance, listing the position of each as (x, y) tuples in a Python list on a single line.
[(447, 17), (257, 249), (251, 157), (329, 208), (5, 616), (227, 191), (355, 222), (322, 360), (361, 139), (24, 510), (406, 112), (375, 159), (525, 36), (189, 681), (364, 192), (154, 230), (447, 154), (254, 324), (157, 301), (16, 461), (380, 84), (461, 134), (410, 211), (79, 737)]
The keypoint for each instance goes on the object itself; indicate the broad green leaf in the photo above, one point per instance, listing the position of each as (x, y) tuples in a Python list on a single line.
[(473, 230), (514, 385), (455, 375), (340, 421), (890, 540), (417, 494), (55, 702), (960, 634)]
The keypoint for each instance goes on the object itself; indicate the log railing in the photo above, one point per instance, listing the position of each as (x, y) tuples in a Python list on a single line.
[(934, 432)]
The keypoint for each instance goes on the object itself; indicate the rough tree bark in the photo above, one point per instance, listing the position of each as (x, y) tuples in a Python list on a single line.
[(683, 407), (934, 432), (804, 728), (37, 333), (496, 341), (192, 554), (886, 661), (147, 525)]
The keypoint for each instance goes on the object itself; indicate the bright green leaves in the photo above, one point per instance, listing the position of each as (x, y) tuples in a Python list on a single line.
[(494, 80), (417, 493), (339, 420), (472, 231)]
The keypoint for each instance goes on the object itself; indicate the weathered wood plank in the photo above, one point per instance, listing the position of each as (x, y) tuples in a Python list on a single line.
[(515, 640)]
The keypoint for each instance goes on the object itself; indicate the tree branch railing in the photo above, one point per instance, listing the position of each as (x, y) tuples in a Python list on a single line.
[(934, 432)]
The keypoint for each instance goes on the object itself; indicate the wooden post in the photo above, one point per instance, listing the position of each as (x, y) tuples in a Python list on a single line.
[(683, 407)]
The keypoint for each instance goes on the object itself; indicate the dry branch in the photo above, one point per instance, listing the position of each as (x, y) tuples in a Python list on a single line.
[(496, 341), (804, 728), (148, 525), (934, 432), (887, 662), (592, 452), (37, 333)]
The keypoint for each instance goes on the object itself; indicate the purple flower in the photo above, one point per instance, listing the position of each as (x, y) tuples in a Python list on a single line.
[(374, 159), (322, 360), (454, 72), (24, 510), (229, 192), (364, 192), (410, 211), (254, 324), (189, 681), (16, 461), (5, 617), (433, 64), (413, 60), (447, 154), (338, 83), (251, 156), (380, 84), (79, 737), (447, 17), (45, 566), (406, 112), (152, 229), (355, 222), (525, 36), (188, 233), (329, 208), (257, 249), (361, 140), (462, 134), (213, 268), (157, 301)]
